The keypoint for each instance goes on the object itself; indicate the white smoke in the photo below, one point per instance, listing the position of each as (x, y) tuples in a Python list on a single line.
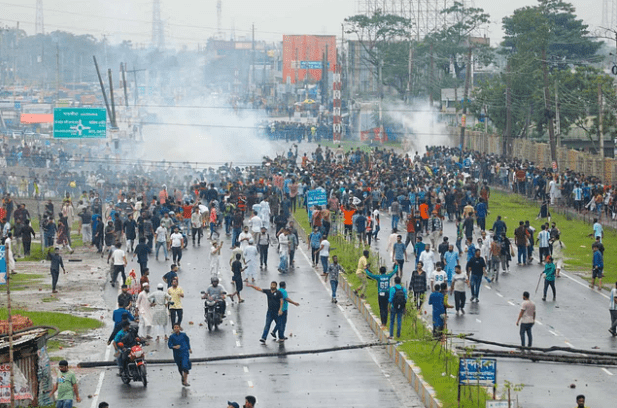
[(207, 131), (421, 124)]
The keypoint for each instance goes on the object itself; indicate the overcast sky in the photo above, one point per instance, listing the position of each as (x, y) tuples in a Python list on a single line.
[(191, 22)]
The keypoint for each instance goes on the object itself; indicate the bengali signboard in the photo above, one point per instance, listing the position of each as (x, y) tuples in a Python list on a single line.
[(80, 123), (317, 197), (474, 371)]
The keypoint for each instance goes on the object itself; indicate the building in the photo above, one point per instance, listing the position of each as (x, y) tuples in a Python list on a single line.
[(303, 57)]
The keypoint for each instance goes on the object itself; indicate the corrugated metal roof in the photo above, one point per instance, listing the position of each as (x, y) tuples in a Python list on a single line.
[(22, 337)]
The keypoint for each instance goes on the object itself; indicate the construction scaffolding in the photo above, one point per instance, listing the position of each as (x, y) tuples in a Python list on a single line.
[(425, 15)]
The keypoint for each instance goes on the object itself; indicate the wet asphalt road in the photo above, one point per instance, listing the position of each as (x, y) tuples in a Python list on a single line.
[(579, 318), (360, 378)]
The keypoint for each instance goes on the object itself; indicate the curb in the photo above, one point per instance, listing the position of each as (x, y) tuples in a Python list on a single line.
[(407, 367)]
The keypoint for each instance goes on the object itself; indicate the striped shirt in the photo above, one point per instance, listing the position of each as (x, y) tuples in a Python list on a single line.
[(543, 238)]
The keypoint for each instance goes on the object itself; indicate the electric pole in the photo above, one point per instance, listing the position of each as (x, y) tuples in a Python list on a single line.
[(600, 122), (547, 106), (465, 97), (507, 151)]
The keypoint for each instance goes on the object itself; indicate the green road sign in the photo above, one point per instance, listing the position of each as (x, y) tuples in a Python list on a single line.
[(77, 123)]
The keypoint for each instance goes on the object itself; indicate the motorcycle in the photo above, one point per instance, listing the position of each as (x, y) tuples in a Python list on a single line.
[(212, 313), (135, 366)]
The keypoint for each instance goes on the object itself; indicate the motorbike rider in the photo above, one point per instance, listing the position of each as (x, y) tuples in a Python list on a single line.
[(124, 340), (216, 292)]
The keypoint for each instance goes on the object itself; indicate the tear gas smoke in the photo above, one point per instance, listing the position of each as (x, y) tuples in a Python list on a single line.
[(208, 131), (422, 125)]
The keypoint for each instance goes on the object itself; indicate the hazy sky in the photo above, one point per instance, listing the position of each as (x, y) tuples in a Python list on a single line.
[(191, 22)]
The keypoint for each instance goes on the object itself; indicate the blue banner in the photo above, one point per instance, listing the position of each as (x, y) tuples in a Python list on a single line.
[(313, 65), (473, 371), (2, 265), (317, 197)]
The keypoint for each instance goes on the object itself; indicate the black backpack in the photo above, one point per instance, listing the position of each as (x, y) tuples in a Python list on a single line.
[(398, 300)]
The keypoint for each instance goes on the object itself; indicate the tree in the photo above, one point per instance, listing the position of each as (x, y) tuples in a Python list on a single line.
[(543, 38), (385, 40)]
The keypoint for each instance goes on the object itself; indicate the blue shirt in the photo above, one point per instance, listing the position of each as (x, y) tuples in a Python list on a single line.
[(285, 296), (119, 336), (597, 230), (393, 290), (598, 261), (436, 300), (399, 251), (451, 259), (383, 281), (315, 239), (117, 315), (481, 210)]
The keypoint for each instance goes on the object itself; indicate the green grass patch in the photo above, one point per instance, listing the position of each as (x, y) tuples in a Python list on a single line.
[(577, 252), (62, 321), (23, 281), (438, 365)]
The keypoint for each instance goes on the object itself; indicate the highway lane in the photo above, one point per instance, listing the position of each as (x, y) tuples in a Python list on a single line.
[(360, 378)]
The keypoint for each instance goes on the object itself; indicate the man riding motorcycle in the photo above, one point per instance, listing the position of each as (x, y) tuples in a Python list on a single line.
[(123, 341), (216, 292)]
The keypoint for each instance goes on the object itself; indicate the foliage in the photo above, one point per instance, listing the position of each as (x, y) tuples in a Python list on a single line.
[(61, 321), (547, 38)]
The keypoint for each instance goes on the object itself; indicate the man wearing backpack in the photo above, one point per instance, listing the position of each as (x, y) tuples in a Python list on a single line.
[(398, 301)]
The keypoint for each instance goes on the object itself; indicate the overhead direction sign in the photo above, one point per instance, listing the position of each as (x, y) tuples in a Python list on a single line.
[(78, 123)]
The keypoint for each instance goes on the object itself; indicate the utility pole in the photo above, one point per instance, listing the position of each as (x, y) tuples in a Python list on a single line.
[(409, 71), (601, 120), (126, 94), (252, 76), (465, 96), (507, 151), (57, 72), (111, 96), (96, 65), (381, 129), (557, 119), (547, 106)]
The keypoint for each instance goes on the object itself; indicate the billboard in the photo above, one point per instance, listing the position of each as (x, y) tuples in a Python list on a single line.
[(79, 123), (303, 56)]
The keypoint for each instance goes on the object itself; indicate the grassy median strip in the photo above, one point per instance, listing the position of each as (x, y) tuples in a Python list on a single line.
[(62, 321), (439, 366), (574, 233)]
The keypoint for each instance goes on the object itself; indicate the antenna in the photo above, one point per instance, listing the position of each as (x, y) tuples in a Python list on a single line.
[(40, 25)]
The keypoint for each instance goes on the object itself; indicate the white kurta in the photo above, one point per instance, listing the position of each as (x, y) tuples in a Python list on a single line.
[(264, 213), (144, 308), (251, 257), (10, 260), (159, 310)]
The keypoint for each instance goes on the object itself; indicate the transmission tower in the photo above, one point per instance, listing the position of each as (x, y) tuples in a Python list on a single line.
[(219, 17), (158, 30), (425, 15), (40, 25)]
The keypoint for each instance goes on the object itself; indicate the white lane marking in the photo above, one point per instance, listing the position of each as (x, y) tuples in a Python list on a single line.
[(553, 333), (349, 321), (499, 294), (478, 320), (234, 332), (488, 287), (246, 369), (569, 344), (250, 383), (238, 343), (99, 385), (539, 322), (582, 284), (512, 303), (95, 398), (231, 322), (606, 371)]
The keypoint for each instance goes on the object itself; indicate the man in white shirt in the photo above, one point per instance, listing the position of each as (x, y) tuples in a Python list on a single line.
[(119, 259), (438, 277), (324, 253), (251, 257), (160, 235), (391, 242), (428, 260), (255, 223), (176, 241), (283, 250), (612, 308), (543, 243), (244, 238)]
